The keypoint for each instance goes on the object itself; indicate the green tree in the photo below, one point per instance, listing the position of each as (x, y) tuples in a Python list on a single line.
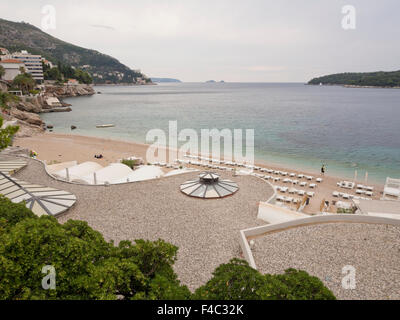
[(24, 82), (236, 280), (53, 74), (6, 135), (2, 72), (82, 76), (6, 99), (294, 285), (87, 267)]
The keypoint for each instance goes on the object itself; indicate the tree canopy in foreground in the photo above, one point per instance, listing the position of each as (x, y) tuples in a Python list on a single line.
[(88, 267)]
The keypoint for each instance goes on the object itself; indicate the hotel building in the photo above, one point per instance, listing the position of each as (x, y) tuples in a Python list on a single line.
[(33, 64)]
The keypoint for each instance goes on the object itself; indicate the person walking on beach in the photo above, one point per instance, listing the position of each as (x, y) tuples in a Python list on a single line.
[(323, 170)]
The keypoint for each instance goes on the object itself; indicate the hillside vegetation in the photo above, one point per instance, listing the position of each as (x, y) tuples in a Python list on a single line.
[(16, 36)]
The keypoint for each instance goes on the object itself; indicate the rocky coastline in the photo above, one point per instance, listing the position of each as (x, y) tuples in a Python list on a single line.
[(26, 111)]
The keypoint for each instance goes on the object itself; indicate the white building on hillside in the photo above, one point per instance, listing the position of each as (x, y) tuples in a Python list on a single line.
[(12, 68), (33, 64)]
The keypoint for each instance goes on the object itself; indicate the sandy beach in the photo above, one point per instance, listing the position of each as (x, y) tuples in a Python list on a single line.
[(55, 148)]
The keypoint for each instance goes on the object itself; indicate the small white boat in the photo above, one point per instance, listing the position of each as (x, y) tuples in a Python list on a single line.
[(105, 125)]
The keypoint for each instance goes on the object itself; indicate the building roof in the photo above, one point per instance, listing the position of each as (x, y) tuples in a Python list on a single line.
[(11, 61)]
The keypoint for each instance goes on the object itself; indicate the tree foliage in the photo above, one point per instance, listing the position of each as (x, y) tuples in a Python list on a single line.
[(6, 98), (24, 82), (6, 135), (88, 267), (236, 280), (64, 72)]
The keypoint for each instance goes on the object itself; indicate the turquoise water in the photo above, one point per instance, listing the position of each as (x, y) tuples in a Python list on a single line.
[(295, 125)]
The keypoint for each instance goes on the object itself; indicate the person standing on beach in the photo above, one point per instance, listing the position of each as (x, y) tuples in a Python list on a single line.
[(323, 170)]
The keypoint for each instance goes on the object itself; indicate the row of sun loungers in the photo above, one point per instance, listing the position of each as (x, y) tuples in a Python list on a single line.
[(366, 188), (205, 165), (346, 184), (347, 196), (287, 199), (352, 185), (295, 191), (266, 170)]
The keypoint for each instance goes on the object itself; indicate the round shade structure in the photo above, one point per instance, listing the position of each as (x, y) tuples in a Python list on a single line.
[(209, 186)]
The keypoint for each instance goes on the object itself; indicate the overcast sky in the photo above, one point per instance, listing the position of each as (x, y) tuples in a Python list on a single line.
[(252, 40)]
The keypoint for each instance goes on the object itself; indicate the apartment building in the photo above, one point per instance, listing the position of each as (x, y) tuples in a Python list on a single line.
[(33, 64)]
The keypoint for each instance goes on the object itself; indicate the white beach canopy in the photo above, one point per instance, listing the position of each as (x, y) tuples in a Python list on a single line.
[(110, 174), (179, 171), (53, 168), (78, 171), (142, 173)]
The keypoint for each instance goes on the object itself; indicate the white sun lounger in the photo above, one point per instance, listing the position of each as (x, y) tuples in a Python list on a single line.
[(312, 185), (311, 194), (303, 184), (301, 192), (319, 180), (335, 194), (284, 189), (280, 198), (289, 199)]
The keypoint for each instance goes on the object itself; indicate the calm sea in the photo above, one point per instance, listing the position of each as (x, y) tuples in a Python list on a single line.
[(295, 125)]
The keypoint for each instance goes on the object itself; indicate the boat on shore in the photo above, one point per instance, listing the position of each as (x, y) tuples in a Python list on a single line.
[(105, 125)]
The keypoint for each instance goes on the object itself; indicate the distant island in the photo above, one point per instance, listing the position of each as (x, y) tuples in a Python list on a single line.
[(160, 80), (213, 81), (379, 79)]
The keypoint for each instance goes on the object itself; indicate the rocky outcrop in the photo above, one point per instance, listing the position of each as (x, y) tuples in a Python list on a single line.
[(27, 130), (29, 107), (28, 117), (27, 110), (69, 90)]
